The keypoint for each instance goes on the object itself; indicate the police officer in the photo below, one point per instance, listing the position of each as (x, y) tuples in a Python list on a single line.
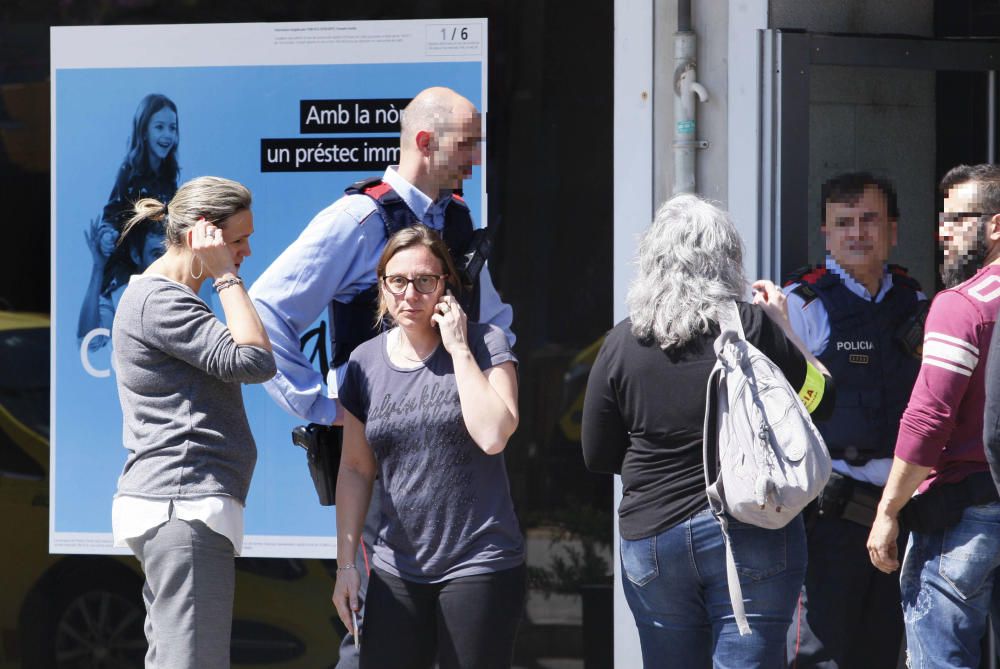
[(861, 318), (332, 263)]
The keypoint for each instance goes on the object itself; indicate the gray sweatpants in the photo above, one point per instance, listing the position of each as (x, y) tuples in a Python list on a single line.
[(190, 574)]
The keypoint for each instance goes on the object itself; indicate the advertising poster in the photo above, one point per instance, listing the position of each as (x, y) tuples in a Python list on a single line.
[(296, 112)]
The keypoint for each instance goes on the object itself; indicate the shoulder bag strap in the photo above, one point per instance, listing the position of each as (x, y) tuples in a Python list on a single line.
[(729, 319)]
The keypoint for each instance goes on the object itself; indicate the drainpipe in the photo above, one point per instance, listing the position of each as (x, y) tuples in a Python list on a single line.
[(686, 88), (991, 156)]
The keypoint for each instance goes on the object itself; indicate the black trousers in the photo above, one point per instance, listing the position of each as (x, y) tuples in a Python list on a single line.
[(850, 615), (465, 623)]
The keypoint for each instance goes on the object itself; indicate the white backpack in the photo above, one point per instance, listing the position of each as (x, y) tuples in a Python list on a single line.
[(769, 457)]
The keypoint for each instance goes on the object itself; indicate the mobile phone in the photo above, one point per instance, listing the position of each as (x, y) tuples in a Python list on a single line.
[(357, 630)]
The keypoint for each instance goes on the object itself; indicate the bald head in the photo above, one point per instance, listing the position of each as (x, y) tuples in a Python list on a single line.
[(434, 110), (440, 140)]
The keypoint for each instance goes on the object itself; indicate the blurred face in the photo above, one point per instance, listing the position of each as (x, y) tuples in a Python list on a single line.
[(412, 308), (457, 148), (236, 234), (161, 135), (859, 234), (962, 234)]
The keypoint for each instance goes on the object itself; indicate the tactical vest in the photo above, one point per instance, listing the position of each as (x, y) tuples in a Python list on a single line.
[(353, 323), (874, 375)]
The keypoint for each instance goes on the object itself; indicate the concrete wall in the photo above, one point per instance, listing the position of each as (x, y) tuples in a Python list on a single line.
[(711, 21)]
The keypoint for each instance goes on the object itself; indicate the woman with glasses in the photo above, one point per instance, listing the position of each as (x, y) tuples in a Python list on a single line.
[(643, 417), (429, 407)]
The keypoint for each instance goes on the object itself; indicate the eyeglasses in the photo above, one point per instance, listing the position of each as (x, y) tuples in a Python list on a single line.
[(424, 283), (956, 216)]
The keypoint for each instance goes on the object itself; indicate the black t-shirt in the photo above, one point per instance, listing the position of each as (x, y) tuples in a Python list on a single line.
[(644, 413)]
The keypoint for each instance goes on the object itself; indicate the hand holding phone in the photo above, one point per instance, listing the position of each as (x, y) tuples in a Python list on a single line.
[(346, 598), (452, 323)]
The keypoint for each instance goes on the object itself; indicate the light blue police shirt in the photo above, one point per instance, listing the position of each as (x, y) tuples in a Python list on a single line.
[(334, 259)]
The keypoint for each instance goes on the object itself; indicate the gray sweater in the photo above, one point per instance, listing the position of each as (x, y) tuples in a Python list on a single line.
[(179, 374)]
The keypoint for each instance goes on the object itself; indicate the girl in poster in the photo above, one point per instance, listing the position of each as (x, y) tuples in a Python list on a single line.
[(149, 169)]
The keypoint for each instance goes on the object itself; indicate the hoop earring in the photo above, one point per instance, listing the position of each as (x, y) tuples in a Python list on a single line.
[(201, 268)]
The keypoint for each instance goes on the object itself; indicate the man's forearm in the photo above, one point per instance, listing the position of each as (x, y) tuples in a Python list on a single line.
[(904, 479)]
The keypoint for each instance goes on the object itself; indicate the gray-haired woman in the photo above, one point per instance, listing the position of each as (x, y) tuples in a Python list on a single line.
[(643, 418), (180, 498)]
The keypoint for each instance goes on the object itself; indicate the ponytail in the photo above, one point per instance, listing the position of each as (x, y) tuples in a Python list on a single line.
[(213, 198), (146, 209)]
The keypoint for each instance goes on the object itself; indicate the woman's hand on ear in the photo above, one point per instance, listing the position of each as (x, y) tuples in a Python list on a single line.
[(208, 246)]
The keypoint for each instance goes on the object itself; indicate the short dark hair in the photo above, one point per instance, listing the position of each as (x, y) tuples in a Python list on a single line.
[(988, 178), (850, 186)]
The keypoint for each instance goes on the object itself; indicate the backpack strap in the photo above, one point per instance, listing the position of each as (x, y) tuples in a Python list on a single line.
[(710, 455), (396, 214), (729, 319), (733, 579)]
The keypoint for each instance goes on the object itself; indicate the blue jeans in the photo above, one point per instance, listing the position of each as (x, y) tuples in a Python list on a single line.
[(948, 588), (675, 584)]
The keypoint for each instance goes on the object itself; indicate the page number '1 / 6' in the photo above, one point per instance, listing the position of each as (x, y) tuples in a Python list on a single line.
[(454, 34)]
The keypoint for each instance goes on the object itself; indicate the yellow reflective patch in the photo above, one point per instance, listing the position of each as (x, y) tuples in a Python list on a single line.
[(811, 392)]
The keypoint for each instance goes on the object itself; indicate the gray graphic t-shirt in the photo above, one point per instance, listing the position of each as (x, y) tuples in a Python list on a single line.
[(446, 506)]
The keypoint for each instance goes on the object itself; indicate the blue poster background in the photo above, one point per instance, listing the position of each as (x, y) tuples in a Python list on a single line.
[(223, 113)]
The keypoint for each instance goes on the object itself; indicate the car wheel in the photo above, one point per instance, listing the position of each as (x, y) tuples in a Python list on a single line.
[(85, 619), (100, 630)]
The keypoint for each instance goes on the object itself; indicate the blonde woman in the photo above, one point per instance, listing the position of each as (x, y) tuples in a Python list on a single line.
[(180, 498)]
